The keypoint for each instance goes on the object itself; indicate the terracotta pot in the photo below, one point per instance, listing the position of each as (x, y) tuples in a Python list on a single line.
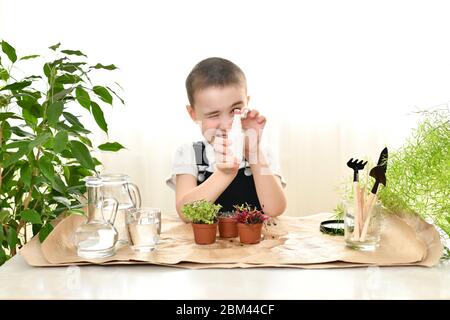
[(204, 233), (249, 233), (228, 228)]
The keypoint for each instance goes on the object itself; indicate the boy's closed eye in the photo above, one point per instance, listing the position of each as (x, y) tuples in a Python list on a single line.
[(212, 115), (216, 114)]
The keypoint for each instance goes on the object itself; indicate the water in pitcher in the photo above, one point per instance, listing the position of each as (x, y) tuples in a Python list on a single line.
[(127, 194)]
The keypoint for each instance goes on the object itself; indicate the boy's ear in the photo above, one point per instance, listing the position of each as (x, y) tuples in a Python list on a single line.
[(191, 112)]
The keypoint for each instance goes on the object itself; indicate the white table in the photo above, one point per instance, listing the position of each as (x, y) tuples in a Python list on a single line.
[(18, 280)]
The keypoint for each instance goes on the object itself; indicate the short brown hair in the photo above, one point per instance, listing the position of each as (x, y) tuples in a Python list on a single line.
[(213, 72)]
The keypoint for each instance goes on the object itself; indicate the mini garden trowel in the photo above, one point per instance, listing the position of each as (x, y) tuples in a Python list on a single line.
[(379, 174)]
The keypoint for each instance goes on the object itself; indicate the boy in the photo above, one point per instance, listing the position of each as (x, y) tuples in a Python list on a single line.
[(217, 89)]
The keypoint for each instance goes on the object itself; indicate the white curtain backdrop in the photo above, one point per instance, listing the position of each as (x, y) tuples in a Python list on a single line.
[(336, 79)]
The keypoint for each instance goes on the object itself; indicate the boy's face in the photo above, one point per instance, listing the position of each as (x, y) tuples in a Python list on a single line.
[(214, 108)]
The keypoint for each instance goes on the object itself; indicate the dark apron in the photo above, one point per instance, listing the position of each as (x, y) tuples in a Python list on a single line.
[(241, 190)]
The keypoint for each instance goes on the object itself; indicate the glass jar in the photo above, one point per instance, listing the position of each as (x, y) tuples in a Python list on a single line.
[(366, 235)]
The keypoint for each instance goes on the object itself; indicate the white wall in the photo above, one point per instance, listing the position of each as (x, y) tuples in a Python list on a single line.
[(334, 78)]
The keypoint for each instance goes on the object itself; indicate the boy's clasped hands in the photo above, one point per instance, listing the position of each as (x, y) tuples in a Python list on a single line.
[(252, 124)]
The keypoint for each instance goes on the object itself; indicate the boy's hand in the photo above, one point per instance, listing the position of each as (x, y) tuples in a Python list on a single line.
[(225, 162), (253, 124)]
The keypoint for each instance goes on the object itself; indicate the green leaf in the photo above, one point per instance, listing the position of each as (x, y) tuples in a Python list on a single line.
[(54, 111), (96, 162), (8, 115), (32, 56), (63, 201), (9, 51), (77, 212), (57, 63), (108, 67), (46, 168), (3, 257), (40, 140), (17, 144), (78, 190), (25, 174), (31, 96), (6, 130), (21, 133), (48, 70), (72, 66), (78, 129), (16, 85), (11, 237), (30, 118), (68, 79), (58, 184), (60, 142), (62, 94), (66, 153), (73, 131), (83, 97), (15, 157), (4, 216), (111, 146), (121, 100), (103, 94), (4, 75), (30, 104), (85, 140), (74, 52), (55, 46), (45, 231), (66, 174), (81, 153), (32, 216), (99, 117), (73, 120), (33, 77)]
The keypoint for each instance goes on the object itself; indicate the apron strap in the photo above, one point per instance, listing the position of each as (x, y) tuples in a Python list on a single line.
[(200, 156)]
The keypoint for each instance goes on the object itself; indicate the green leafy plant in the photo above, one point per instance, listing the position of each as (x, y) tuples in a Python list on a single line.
[(418, 173), (45, 150), (201, 211)]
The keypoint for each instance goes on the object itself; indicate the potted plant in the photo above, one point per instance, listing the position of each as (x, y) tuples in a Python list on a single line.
[(203, 215), (249, 223), (227, 224), (45, 149)]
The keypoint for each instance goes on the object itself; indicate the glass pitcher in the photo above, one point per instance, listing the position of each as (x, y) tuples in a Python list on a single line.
[(119, 187), (97, 237)]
